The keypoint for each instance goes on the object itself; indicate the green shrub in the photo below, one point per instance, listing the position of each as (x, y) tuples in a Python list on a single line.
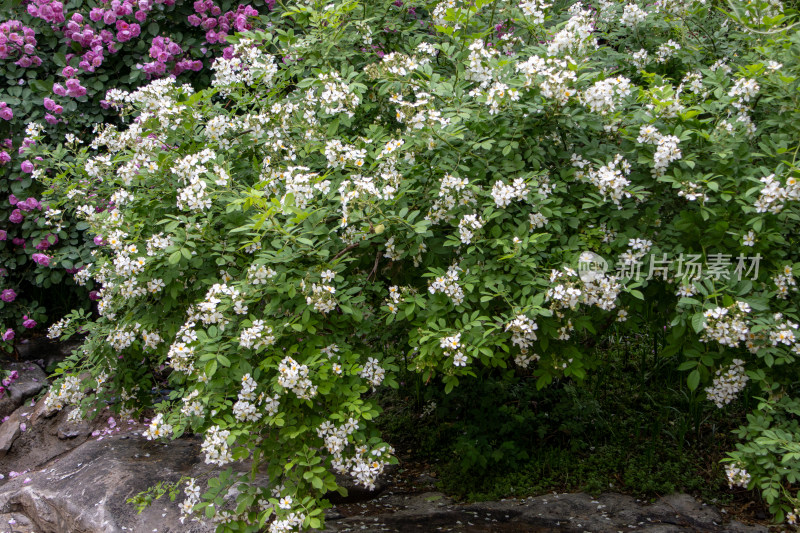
[(466, 186)]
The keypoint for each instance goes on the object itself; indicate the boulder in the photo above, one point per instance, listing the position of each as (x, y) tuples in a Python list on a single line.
[(85, 491), (562, 513), (9, 431), (17, 523), (31, 380)]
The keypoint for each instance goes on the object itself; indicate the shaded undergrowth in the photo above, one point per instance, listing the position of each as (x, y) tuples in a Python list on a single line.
[(632, 426)]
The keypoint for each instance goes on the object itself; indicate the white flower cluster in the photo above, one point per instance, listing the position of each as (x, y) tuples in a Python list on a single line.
[(602, 290), (773, 196), (537, 220), (637, 249), (743, 90), (394, 299), (340, 155), (737, 475), (496, 94), (504, 194), (667, 149), (480, 58), (576, 36), (321, 298), (248, 65), (602, 97), (402, 64), (288, 523), (610, 179), (245, 409), (523, 333), (69, 393), (727, 384), (439, 14), (258, 336), (666, 51), (453, 348), (215, 446), (784, 281), (417, 117), (153, 97), (207, 311), (191, 406), (552, 76), (564, 295), (158, 428), (364, 466), (373, 372), (156, 243), (335, 97), (453, 192), (467, 226), (448, 285), (192, 492), (56, 330), (640, 59), (534, 10), (693, 192), (294, 376), (190, 170), (632, 15), (120, 338)]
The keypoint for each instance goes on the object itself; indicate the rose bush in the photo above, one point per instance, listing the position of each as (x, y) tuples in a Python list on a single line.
[(58, 60), (459, 187)]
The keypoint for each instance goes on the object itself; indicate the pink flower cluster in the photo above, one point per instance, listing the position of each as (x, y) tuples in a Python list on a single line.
[(25, 205), (17, 39), (5, 157), (13, 375), (47, 10), (217, 25), (45, 243), (74, 88), (164, 50), (5, 112), (92, 42), (41, 259)]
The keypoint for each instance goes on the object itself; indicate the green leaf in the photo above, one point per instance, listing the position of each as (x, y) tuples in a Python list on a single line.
[(693, 380)]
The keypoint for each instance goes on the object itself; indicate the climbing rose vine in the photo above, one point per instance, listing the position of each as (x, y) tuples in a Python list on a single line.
[(460, 187)]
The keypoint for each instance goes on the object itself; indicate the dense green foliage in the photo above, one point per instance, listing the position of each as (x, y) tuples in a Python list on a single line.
[(57, 61), (468, 187)]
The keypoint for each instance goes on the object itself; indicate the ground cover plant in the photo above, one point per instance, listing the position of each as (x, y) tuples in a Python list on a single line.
[(57, 61), (460, 189)]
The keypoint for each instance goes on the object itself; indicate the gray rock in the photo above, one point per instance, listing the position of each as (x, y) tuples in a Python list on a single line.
[(31, 380), (9, 431), (565, 513), (17, 523), (85, 491), (70, 430)]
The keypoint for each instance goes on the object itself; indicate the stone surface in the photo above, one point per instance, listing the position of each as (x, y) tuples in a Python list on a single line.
[(17, 523), (71, 430), (39, 443), (85, 490), (9, 431), (563, 513), (31, 380)]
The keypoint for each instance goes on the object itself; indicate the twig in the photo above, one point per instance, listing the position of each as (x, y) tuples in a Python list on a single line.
[(341, 253), (375, 266)]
